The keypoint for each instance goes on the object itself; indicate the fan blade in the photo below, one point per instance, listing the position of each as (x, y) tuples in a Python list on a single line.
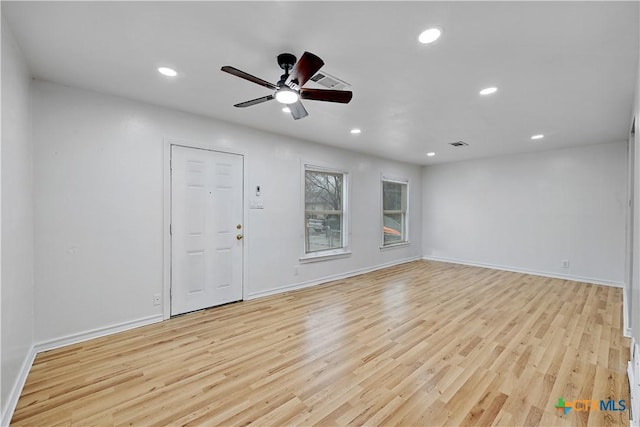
[(304, 69), (342, 96), (247, 76), (297, 110), (255, 101)]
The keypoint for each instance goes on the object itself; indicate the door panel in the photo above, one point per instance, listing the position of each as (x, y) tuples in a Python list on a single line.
[(206, 207), (195, 272)]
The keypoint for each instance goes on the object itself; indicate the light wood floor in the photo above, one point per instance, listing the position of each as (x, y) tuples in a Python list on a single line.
[(423, 343)]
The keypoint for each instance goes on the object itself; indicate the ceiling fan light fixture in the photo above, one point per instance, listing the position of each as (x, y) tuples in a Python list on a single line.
[(430, 35), (285, 95)]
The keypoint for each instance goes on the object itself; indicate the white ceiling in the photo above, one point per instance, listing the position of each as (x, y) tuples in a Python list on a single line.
[(564, 69)]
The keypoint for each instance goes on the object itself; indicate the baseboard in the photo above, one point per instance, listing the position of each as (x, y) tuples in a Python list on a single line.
[(633, 372), (526, 271), (96, 333), (12, 400), (316, 282)]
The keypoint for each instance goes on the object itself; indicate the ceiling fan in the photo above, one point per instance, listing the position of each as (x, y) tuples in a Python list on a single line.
[(289, 88)]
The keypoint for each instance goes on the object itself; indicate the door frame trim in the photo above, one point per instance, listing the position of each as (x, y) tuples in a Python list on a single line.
[(630, 232), (166, 214)]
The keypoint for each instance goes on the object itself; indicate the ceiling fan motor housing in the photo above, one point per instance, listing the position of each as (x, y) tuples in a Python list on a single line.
[(283, 78)]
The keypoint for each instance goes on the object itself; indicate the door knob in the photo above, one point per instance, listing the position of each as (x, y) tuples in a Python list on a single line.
[(239, 236)]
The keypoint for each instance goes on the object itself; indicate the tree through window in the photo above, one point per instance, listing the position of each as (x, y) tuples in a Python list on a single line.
[(324, 210)]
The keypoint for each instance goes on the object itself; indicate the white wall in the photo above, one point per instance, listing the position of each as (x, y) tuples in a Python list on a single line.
[(99, 207), (17, 281), (531, 211)]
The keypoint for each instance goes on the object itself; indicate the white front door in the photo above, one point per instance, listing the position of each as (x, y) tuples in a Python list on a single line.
[(206, 228)]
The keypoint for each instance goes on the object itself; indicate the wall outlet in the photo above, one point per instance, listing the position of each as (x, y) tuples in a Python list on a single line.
[(156, 299), (565, 263), (295, 270)]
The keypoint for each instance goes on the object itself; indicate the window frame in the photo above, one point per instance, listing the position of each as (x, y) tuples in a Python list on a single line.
[(405, 241), (326, 254)]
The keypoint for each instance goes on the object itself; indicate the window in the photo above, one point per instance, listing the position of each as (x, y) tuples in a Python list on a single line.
[(394, 212), (324, 208)]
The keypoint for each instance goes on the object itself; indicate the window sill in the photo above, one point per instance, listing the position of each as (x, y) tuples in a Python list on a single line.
[(395, 245), (324, 256)]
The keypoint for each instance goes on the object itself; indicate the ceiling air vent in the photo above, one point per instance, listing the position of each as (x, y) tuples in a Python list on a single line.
[(329, 81), (458, 143)]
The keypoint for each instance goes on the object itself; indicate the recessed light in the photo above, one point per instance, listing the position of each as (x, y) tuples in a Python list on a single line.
[(429, 36), (286, 110), (488, 90), (539, 136), (169, 72), (355, 131), (431, 154)]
